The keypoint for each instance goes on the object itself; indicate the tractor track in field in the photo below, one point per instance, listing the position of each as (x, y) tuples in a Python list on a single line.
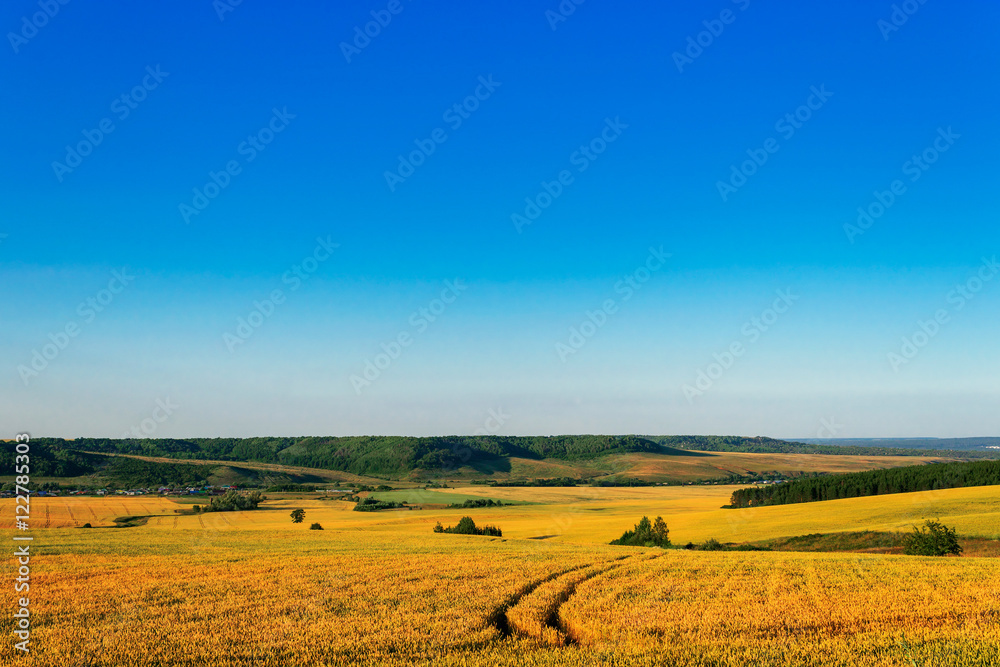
[(498, 617), (552, 630)]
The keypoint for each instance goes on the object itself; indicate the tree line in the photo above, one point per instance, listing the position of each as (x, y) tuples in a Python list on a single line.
[(927, 477), (364, 455)]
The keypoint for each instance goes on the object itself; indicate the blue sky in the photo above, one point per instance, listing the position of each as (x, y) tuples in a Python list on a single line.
[(642, 138)]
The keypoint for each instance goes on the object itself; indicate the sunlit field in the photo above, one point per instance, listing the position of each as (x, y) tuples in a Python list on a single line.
[(251, 588), (573, 514), (802, 609)]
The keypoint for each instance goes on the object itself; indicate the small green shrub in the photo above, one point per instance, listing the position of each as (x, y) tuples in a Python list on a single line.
[(712, 545), (933, 539), (315, 526), (375, 505)]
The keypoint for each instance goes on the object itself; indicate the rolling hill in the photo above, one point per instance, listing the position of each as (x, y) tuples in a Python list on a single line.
[(410, 461)]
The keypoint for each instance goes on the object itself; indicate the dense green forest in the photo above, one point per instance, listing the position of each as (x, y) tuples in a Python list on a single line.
[(368, 455), (50, 460), (871, 483), (383, 456), (54, 458), (135, 473)]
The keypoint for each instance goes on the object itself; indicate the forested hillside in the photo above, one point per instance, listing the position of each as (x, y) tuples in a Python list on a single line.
[(871, 483), (397, 457), (366, 455), (55, 458)]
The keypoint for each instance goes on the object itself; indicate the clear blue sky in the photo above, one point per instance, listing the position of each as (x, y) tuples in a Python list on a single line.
[(643, 126)]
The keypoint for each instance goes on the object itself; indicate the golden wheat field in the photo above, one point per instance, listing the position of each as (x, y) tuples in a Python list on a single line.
[(251, 588)]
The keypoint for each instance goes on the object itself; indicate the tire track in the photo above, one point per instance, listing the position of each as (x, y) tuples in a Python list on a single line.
[(537, 614), (498, 617), (48, 519), (71, 516)]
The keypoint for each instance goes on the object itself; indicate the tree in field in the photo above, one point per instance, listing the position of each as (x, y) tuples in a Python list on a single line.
[(298, 516), (934, 539), (661, 532), (466, 526), (646, 534), (234, 501)]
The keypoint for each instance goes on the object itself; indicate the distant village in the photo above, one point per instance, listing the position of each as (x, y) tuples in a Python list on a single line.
[(207, 490)]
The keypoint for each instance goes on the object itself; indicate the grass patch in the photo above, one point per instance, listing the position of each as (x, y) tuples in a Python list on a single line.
[(870, 541), (130, 521), (430, 497)]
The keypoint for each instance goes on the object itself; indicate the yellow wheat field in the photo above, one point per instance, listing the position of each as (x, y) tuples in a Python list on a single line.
[(577, 514), (251, 588), (74, 511), (803, 609)]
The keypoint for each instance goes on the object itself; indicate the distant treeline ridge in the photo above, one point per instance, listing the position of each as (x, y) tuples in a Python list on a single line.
[(871, 483)]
